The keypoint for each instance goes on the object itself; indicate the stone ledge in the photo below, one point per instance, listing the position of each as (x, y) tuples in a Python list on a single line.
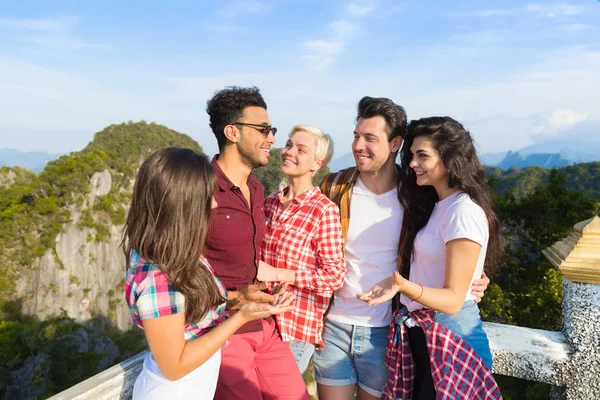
[(114, 383), (527, 353)]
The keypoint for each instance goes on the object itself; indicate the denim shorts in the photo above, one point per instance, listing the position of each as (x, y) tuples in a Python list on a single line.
[(352, 354), (302, 352), (467, 324)]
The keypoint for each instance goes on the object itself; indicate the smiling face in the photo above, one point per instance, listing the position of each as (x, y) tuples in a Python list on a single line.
[(253, 146), (427, 164), (298, 157), (371, 147)]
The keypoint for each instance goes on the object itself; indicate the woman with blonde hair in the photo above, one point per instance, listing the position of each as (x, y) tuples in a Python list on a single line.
[(303, 244)]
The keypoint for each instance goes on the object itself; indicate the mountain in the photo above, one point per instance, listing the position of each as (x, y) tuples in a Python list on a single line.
[(546, 160), (60, 230), (339, 163), (32, 160), (492, 159), (62, 270), (582, 177), (543, 155)]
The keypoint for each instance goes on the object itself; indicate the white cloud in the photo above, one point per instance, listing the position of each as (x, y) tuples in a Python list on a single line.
[(226, 20), (575, 28), (484, 13), (323, 51), (237, 8), (343, 30), (561, 119), (64, 42), (554, 10), (359, 10), (51, 33), (56, 25), (323, 47), (222, 27)]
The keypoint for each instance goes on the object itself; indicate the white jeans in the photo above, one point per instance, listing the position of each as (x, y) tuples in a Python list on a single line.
[(199, 384)]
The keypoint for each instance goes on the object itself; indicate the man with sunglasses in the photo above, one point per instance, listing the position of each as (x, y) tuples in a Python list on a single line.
[(255, 364)]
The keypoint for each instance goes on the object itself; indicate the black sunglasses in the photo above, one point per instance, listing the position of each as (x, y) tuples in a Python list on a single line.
[(264, 129)]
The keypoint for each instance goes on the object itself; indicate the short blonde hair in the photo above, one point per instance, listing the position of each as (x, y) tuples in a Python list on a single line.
[(324, 147)]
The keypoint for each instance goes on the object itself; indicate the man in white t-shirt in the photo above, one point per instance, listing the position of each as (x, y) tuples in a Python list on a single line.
[(355, 333)]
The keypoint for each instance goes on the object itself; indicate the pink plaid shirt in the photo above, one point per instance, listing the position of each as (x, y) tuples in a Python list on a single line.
[(457, 371), (306, 237), (149, 294)]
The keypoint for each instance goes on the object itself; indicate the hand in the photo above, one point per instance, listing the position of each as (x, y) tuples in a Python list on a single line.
[(283, 302), (280, 288), (249, 293), (266, 272), (383, 291), (479, 286)]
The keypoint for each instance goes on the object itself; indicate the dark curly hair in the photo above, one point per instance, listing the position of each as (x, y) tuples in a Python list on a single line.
[(394, 115), (227, 106), (465, 172)]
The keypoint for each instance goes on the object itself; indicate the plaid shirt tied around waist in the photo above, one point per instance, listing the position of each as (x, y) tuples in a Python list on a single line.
[(457, 371), (305, 237)]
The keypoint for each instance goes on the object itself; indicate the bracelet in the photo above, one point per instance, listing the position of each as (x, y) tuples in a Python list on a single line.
[(422, 289)]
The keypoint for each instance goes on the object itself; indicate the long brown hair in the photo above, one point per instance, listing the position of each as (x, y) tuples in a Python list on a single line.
[(465, 172), (168, 221)]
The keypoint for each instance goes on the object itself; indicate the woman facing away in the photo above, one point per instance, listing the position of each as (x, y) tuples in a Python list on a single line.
[(303, 244), (437, 345), (170, 288)]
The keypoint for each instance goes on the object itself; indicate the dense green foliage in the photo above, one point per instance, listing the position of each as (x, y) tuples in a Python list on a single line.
[(527, 290), (25, 336), (584, 177), (35, 208), (272, 178)]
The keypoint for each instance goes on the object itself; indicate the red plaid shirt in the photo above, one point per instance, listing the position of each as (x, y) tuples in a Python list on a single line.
[(306, 237), (457, 371)]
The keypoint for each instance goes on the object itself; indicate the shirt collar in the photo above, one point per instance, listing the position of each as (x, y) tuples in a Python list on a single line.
[(302, 198), (223, 181)]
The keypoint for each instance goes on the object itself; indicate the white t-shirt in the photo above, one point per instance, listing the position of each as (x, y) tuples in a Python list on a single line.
[(455, 217), (371, 255)]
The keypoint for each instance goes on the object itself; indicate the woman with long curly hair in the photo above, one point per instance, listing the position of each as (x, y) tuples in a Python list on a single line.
[(170, 287), (437, 345)]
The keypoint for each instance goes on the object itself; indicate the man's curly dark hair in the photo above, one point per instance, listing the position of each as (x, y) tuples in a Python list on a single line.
[(227, 106)]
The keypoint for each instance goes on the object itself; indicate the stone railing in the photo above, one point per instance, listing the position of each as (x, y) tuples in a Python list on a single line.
[(568, 360)]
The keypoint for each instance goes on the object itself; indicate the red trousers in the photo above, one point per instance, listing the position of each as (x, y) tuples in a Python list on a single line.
[(257, 366)]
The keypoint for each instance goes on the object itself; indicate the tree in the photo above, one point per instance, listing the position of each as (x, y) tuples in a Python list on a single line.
[(527, 290), (273, 179)]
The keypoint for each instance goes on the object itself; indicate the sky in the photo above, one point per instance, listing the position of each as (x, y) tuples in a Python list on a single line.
[(514, 73)]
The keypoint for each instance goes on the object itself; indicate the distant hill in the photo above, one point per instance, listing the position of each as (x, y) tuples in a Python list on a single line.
[(492, 159), (80, 198), (339, 163), (514, 159), (525, 158), (32, 160), (583, 177)]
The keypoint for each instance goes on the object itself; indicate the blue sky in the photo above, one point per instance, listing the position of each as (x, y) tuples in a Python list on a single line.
[(515, 73)]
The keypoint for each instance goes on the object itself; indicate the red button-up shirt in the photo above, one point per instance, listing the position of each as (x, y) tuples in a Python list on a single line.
[(305, 237), (235, 234)]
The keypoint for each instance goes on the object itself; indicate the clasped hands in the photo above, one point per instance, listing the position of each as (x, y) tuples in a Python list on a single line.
[(254, 293)]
